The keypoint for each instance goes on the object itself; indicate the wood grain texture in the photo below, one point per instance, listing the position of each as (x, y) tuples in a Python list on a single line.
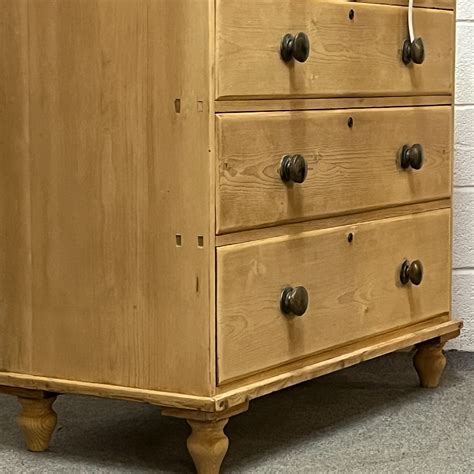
[(11, 381), (442, 4), (332, 361), (291, 367), (430, 362), (297, 228), (107, 154), (203, 415), (208, 445), (37, 421), (349, 58), (354, 289), (350, 169), (270, 105), (15, 226), (113, 174), (232, 398)]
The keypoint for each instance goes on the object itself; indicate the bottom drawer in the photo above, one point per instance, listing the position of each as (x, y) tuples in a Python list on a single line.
[(352, 278)]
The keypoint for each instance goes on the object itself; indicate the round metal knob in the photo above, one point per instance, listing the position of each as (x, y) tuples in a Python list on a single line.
[(295, 47), (412, 156), (294, 301), (293, 169), (413, 52), (411, 272)]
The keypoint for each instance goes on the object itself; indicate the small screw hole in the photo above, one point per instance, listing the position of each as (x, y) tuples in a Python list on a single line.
[(351, 14), (350, 237), (179, 240), (350, 122)]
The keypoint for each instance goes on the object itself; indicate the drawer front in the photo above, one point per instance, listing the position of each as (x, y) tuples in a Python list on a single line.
[(348, 57), (354, 289), (349, 168)]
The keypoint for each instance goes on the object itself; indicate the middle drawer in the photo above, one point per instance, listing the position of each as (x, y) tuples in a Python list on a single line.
[(353, 160)]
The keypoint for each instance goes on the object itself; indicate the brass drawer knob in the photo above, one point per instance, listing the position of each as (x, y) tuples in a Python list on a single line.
[(294, 168), (411, 272), (412, 156), (294, 301), (413, 52), (295, 47)]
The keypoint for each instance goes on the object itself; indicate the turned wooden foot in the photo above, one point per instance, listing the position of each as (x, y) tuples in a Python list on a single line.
[(429, 361), (208, 445), (37, 421)]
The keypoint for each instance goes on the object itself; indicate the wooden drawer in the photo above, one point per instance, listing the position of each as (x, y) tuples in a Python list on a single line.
[(349, 168), (349, 58), (354, 289)]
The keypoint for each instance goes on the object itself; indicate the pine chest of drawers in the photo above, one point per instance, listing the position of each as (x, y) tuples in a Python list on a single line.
[(205, 201)]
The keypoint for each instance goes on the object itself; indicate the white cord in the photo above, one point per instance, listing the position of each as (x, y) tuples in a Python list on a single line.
[(410, 20)]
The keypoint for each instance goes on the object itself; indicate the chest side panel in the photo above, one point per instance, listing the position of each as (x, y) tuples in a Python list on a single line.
[(117, 175)]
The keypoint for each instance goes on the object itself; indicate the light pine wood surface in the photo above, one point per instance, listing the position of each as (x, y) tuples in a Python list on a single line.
[(372, 346), (107, 162), (37, 421), (268, 105), (297, 228), (359, 57), (208, 445), (442, 4), (350, 168), (10, 382), (233, 397), (146, 234), (15, 202), (354, 289), (333, 360), (105, 144)]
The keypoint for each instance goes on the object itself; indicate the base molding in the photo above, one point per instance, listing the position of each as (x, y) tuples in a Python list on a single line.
[(239, 393), (337, 359)]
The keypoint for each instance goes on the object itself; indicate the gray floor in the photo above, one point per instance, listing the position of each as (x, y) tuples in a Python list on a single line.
[(368, 419)]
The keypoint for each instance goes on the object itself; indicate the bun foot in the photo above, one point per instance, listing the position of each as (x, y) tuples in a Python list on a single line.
[(37, 421), (429, 361)]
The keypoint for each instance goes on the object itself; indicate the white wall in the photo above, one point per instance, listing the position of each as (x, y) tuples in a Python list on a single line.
[(463, 272)]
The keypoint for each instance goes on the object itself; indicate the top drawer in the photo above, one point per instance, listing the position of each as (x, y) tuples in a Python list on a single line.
[(348, 58)]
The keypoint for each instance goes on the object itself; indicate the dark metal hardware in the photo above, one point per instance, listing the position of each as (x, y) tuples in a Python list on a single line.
[(293, 168), (411, 272), (413, 52), (295, 47), (412, 156), (294, 301)]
